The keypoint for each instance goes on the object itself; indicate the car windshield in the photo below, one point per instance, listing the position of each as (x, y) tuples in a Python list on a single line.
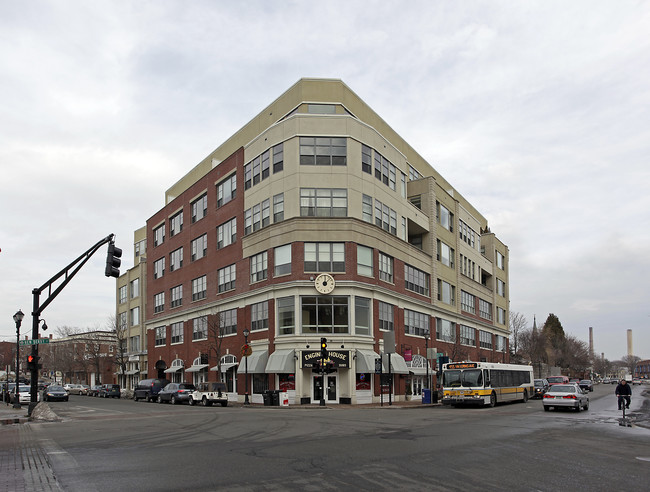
[(585, 381), (467, 378), (55, 388), (186, 386), (564, 388), (539, 383), (555, 380)]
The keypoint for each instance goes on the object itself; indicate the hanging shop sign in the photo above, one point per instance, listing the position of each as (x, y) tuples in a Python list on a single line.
[(340, 358)]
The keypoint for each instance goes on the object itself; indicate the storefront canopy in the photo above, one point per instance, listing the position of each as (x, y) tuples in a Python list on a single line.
[(256, 362), (281, 362), (397, 364), (196, 368), (366, 361)]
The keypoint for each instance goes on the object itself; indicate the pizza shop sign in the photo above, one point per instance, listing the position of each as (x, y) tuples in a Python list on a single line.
[(340, 358)]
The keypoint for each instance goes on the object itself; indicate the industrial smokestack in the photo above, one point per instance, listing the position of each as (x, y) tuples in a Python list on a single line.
[(591, 343), (630, 351)]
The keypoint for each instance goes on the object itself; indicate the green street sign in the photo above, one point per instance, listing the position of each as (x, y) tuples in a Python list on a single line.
[(34, 342)]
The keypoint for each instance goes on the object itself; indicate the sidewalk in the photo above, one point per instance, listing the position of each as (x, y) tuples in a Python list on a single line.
[(11, 415)]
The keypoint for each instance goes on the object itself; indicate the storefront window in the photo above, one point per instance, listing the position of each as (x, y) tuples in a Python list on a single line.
[(287, 382), (363, 381)]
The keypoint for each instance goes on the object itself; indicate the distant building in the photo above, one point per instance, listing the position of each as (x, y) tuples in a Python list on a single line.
[(315, 220), (642, 369)]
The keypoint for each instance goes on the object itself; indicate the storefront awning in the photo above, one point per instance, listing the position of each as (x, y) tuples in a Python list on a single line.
[(132, 373), (366, 361), (397, 364), (196, 368), (420, 371), (224, 366), (174, 369), (256, 362), (281, 362)]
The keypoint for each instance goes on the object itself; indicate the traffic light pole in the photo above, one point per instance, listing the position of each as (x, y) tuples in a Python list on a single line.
[(68, 272)]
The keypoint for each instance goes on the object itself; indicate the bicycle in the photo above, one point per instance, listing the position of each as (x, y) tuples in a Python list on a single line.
[(623, 403)]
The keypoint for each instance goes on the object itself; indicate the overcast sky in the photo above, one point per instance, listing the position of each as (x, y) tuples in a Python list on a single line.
[(537, 112)]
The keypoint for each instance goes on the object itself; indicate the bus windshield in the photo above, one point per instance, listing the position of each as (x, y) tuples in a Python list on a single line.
[(467, 378)]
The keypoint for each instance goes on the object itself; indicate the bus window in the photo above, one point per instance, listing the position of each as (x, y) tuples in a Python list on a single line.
[(486, 374), (451, 379), (472, 378)]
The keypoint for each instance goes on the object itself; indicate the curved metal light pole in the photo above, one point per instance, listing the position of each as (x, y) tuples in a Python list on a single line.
[(246, 333), (18, 318)]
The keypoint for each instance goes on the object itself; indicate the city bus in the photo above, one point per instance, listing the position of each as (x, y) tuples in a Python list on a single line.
[(485, 383)]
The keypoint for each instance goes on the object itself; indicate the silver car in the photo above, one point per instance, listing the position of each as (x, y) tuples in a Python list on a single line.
[(566, 395)]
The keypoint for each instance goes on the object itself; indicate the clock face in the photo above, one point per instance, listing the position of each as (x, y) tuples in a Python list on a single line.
[(324, 283)]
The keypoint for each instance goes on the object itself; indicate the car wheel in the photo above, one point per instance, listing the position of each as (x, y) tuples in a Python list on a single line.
[(546, 408), (159, 399), (204, 401), (587, 406), (191, 401), (66, 398), (174, 401), (578, 408), (493, 399)]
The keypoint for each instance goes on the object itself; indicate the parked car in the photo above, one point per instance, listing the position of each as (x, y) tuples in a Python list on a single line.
[(109, 391), (148, 389), (53, 393), (84, 389), (176, 393), (75, 389), (636, 381), (557, 380), (94, 390), (24, 394), (541, 387), (586, 384), (566, 395), (207, 393)]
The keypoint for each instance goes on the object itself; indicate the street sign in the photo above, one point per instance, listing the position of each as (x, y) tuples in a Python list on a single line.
[(34, 342)]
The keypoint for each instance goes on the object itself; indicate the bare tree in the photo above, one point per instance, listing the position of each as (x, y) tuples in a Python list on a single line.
[(216, 333), (629, 362), (518, 323), (121, 349)]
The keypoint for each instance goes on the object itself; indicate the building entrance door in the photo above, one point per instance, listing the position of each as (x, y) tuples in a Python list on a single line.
[(331, 388)]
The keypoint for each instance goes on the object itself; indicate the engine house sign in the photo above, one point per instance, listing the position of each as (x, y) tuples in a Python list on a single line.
[(340, 358)]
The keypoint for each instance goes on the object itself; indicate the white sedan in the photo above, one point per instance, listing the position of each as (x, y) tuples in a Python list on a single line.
[(566, 395), (24, 394)]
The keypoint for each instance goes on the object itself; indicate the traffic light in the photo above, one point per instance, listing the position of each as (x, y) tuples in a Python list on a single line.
[(113, 261), (32, 362), (323, 348)]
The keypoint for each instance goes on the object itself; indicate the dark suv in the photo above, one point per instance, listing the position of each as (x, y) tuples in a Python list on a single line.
[(109, 391), (148, 389)]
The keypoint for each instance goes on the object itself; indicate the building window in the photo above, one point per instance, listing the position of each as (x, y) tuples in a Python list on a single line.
[(228, 321), (176, 224), (199, 247), (278, 158), (323, 202), (445, 330), (323, 151), (484, 309), (282, 259), (159, 268), (385, 267), (403, 184), (467, 302), (384, 171), (501, 287), (324, 314), (122, 294), (159, 302), (199, 207), (467, 267), (177, 296), (286, 315), (161, 336), (135, 343), (501, 260), (445, 254), (501, 343), (446, 293), (467, 335), (177, 332), (416, 280), (266, 164), (227, 233), (386, 319), (135, 288), (140, 248), (159, 235), (135, 316), (501, 316), (278, 208), (259, 267), (415, 323), (199, 288), (445, 217), (413, 173), (324, 257), (226, 190), (123, 321), (485, 339), (466, 234), (361, 316), (366, 159), (385, 217), (176, 259), (364, 261), (227, 277), (200, 328), (366, 208), (260, 316), (257, 217)]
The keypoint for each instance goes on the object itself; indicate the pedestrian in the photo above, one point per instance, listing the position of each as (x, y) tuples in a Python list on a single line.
[(623, 392)]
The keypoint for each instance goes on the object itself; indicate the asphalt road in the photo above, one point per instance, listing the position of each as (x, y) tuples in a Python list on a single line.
[(120, 444)]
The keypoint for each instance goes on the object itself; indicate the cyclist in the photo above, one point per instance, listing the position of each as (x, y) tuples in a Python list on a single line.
[(623, 392)]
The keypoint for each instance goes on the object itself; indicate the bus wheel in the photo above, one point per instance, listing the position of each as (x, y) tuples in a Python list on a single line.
[(525, 396), (493, 399)]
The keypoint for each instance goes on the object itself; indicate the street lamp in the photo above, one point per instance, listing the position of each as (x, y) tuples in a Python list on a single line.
[(246, 333), (426, 345), (18, 318)]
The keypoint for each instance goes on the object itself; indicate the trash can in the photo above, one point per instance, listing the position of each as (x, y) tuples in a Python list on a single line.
[(275, 394), (284, 399), (267, 398), (426, 396), (434, 396)]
